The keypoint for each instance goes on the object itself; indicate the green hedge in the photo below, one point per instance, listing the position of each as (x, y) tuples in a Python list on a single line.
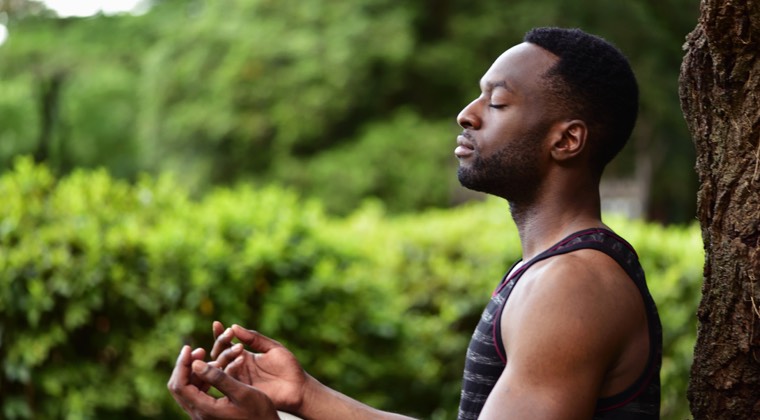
[(101, 282)]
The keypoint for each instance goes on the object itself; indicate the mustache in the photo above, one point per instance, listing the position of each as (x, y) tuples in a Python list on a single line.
[(466, 134)]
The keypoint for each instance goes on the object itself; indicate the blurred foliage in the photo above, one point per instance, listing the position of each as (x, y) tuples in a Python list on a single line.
[(308, 94), (105, 273), (102, 281)]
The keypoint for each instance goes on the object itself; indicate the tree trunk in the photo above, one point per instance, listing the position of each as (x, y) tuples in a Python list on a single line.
[(720, 97), (50, 93)]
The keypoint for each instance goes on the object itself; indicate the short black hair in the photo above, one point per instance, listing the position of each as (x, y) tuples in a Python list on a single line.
[(593, 80)]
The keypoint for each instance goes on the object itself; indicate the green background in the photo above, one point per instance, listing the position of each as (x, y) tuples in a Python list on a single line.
[(287, 165)]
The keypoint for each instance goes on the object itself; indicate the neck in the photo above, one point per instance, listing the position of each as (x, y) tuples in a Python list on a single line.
[(553, 215)]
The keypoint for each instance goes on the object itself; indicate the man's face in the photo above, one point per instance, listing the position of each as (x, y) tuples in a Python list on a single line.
[(501, 150)]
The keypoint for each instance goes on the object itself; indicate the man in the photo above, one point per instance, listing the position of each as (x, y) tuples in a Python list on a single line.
[(571, 332)]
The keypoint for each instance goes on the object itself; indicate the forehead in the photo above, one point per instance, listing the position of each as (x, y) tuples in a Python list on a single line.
[(520, 68)]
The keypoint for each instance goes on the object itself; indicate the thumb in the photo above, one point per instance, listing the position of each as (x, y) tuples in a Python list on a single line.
[(225, 383)]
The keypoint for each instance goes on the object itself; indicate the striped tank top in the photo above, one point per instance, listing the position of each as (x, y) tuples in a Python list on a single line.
[(486, 356)]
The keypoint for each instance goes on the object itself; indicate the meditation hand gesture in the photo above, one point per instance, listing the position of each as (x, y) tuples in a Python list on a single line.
[(270, 367), (240, 400)]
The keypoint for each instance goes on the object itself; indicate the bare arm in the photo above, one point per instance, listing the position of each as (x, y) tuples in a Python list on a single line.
[(324, 403)]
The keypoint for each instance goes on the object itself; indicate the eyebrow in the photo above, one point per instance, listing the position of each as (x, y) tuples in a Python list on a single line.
[(489, 86)]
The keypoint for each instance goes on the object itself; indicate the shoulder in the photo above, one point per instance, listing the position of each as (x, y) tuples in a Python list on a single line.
[(564, 328), (577, 279), (582, 299)]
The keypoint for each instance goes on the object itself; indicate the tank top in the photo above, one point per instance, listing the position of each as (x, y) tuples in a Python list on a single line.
[(486, 357)]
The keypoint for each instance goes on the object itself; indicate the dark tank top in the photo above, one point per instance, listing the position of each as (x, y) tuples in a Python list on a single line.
[(486, 357)]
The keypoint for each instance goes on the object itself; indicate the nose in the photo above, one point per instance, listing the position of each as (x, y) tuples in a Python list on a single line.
[(467, 117)]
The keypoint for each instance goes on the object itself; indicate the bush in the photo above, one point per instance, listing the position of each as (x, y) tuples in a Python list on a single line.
[(101, 282)]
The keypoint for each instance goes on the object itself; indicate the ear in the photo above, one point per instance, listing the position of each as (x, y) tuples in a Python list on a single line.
[(570, 140)]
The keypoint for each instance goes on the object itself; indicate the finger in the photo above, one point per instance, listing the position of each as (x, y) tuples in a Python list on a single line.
[(198, 354), (235, 364), (228, 356), (241, 400), (223, 341), (254, 340), (235, 369), (217, 329), (181, 373), (227, 385), (185, 394), (195, 401)]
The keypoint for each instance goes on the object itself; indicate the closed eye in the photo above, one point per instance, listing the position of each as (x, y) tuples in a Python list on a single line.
[(497, 106)]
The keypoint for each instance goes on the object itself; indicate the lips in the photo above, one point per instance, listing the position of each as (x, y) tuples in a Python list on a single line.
[(464, 148)]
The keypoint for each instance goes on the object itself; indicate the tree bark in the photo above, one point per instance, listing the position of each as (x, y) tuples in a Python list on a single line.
[(720, 97)]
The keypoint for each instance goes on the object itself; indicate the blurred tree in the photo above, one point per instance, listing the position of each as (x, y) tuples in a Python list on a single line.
[(222, 92), (720, 79), (19, 9), (72, 89), (241, 86), (651, 33)]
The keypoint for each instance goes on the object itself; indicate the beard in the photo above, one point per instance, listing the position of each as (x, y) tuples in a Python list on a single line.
[(512, 173)]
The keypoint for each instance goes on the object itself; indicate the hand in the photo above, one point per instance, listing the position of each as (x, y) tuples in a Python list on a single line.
[(273, 369), (240, 401)]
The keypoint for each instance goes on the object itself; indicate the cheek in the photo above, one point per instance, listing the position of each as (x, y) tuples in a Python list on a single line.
[(515, 141), (501, 135)]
